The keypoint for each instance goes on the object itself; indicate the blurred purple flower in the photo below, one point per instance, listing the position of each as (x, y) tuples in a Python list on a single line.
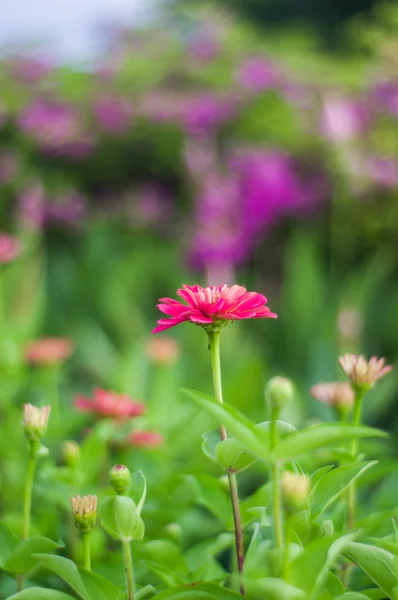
[(257, 74), (199, 156), (152, 206), (218, 238), (113, 113), (68, 209), (204, 47), (385, 95), (56, 127), (343, 118), (29, 70), (204, 113), (31, 206), (382, 171)]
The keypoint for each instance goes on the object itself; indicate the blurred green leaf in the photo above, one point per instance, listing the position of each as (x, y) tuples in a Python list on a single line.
[(274, 589), (121, 519), (22, 560), (377, 563), (8, 543), (146, 592), (233, 456), (66, 570), (309, 570), (319, 436), (210, 441), (99, 588), (39, 593), (198, 591), (333, 483)]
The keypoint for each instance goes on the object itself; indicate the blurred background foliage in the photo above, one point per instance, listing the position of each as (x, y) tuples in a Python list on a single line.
[(210, 149)]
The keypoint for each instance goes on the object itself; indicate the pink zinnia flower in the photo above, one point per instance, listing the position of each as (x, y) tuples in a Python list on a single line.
[(363, 373), (336, 393), (145, 439), (212, 306), (10, 248), (162, 351), (49, 351), (110, 404)]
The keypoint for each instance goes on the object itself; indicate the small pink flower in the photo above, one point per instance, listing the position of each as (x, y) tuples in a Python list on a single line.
[(162, 351), (145, 439), (363, 373), (10, 248), (336, 393), (110, 404), (212, 306), (49, 351)]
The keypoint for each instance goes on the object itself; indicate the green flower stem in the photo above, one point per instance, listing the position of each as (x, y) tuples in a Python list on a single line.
[(53, 389), (356, 419), (276, 487), (128, 567), (87, 550), (214, 345), (30, 473), (286, 550)]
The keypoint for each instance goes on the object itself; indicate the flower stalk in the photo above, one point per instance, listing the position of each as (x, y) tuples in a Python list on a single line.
[(356, 419), (27, 505), (87, 550), (276, 484), (128, 567), (214, 346)]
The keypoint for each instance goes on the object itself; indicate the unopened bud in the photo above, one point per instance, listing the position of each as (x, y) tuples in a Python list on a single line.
[(71, 453), (174, 530), (224, 482), (84, 510), (278, 392), (119, 479), (295, 490), (35, 422)]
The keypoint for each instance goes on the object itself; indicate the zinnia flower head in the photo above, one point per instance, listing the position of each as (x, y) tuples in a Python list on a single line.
[(35, 421), (363, 374), (110, 405), (49, 351), (295, 489), (162, 351), (84, 510), (10, 248), (145, 439), (212, 307), (338, 394)]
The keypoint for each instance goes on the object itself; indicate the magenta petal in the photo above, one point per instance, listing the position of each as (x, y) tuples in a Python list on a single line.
[(200, 319)]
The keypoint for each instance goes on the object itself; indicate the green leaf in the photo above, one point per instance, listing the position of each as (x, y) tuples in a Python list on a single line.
[(166, 574), (255, 439), (98, 587), (121, 519), (352, 596), (22, 560), (210, 441), (310, 568), (8, 543), (273, 589), (232, 455), (377, 563), (374, 594), (319, 436), (138, 485), (385, 543), (66, 570), (198, 591), (36, 593), (333, 483)]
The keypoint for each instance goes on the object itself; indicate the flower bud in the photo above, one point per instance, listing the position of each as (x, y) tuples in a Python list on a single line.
[(174, 530), (295, 490), (119, 479), (35, 422), (84, 510), (71, 453), (278, 392)]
